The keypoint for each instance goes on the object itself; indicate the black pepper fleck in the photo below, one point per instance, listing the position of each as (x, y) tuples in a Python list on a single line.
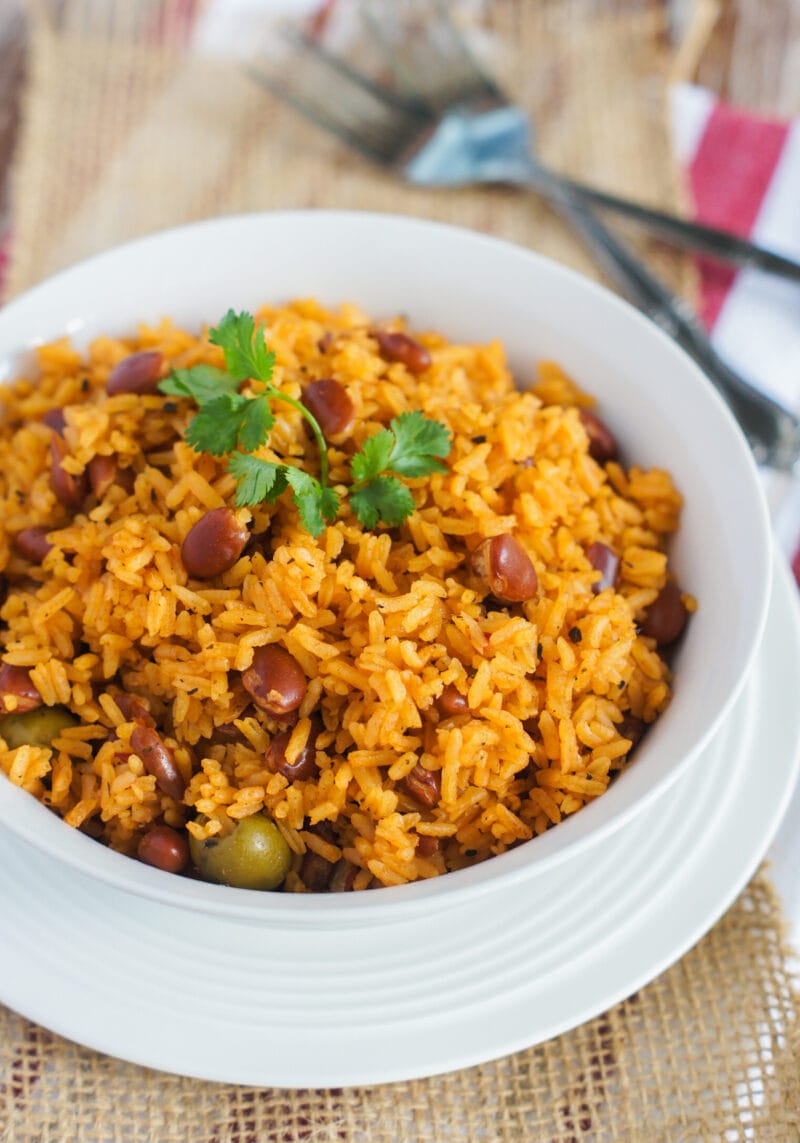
[(153, 495), (480, 439), (539, 650), (192, 691), (170, 407), (575, 634), (85, 385), (470, 853)]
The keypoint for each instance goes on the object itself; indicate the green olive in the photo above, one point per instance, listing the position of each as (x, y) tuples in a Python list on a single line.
[(36, 727), (254, 856)]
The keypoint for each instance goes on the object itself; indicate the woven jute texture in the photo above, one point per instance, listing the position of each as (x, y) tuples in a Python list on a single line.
[(125, 133)]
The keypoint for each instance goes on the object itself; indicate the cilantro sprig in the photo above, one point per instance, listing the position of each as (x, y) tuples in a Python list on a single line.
[(259, 480), (411, 446), (236, 425)]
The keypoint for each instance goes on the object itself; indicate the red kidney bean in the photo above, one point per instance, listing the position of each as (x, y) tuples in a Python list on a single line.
[(92, 827), (16, 682), (126, 479), (214, 544), (228, 733), (633, 728), (164, 848), (666, 616), (69, 489), (427, 846), (158, 761), (55, 420), (451, 702), (424, 786), (137, 373), (400, 347), (602, 442), (275, 681), (506, 569), (134, 710), (606, 561), (326, 831), (304, 765), (33, 544), (315, 872), (102, 472), (330, 403), (343, 876)]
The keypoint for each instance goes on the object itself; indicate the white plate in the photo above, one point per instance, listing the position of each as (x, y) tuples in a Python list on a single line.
[(250, 1003)]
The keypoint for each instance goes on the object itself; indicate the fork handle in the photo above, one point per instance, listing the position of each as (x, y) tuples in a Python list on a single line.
[(719, 244), (772, 431)]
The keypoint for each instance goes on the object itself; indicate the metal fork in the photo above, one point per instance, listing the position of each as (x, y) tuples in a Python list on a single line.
[(441, 89), (436, 118)]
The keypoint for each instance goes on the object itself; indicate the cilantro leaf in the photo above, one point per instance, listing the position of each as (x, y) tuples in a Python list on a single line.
[(259, 480), (418, 441), (382, 498), (315, 504), (328, 504), (373, 457), (201, 383), (215, 429), (255, 478), (257, 420), (244, 348), (229, 421), (411, 446)]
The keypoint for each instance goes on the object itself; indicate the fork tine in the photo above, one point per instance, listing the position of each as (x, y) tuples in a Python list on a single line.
[(410, 106), (427, 55), (313, 113), (340, 100), (462, 48)]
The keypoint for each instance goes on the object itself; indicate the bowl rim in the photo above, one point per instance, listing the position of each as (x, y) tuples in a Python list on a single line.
[(24, 815)]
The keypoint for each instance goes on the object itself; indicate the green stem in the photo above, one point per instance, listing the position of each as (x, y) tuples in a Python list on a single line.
[(271, 391)]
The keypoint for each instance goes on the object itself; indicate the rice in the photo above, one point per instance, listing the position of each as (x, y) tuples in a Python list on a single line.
[(380, 622)]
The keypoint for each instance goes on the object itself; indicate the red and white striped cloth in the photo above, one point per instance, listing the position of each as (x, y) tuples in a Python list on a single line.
[(743, 173)]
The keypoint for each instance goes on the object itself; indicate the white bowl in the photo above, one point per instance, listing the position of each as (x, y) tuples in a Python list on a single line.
[(471, 288)]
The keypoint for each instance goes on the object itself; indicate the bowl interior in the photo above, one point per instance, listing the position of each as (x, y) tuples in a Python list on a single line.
[(471, 288)]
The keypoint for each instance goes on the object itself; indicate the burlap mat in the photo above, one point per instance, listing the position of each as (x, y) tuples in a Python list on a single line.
[(124, 134)]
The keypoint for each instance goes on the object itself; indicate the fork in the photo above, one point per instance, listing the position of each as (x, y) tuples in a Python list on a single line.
[(442, 121), (466, 75)]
